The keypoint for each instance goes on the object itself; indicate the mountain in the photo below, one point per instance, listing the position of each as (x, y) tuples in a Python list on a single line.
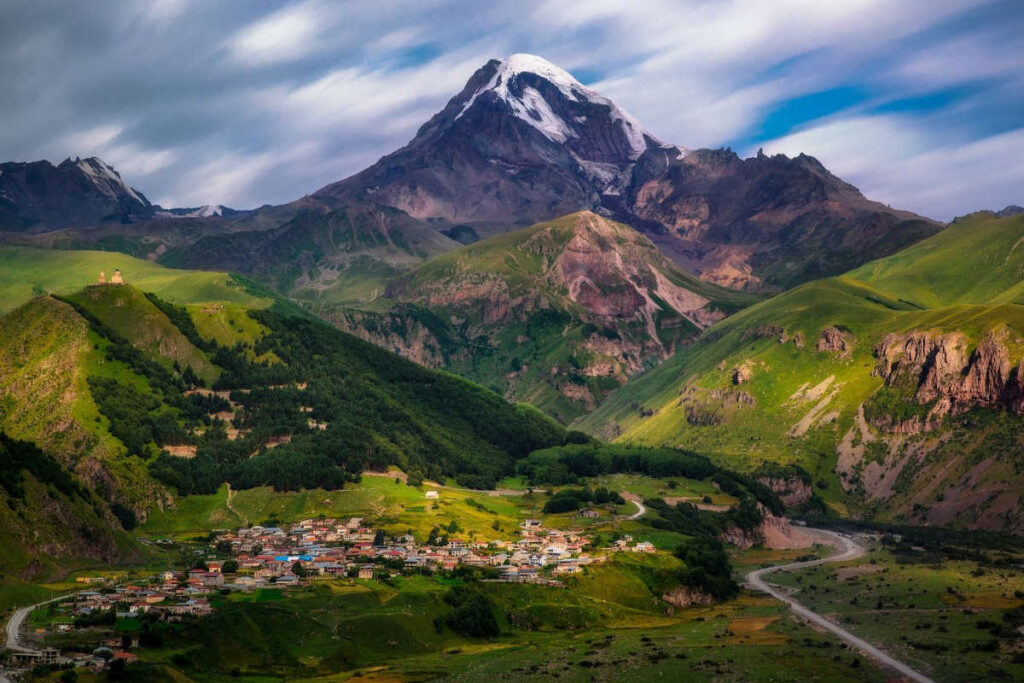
[(39, 196), (347, 254), (524, 141), (763, 223), (898, 386), (557, 314)]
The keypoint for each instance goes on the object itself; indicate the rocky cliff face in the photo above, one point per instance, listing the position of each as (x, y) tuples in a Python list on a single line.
[(792, 490), (571, 309), (762, 222), (39, 196), (935, 371)]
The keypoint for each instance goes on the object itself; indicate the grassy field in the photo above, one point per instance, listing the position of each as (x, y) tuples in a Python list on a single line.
[(26, 272), (605, 626), (928, 611), (396, 507)]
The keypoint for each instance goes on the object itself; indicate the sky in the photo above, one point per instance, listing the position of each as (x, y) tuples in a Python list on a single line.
[(920, 103)]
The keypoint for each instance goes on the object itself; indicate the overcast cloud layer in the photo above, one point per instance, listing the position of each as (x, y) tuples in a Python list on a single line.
[(918, 102)]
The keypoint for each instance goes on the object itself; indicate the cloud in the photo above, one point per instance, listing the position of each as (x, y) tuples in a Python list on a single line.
[(285, 35)]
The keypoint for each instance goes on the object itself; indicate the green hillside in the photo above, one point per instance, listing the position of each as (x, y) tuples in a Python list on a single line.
[(26, 272), (978, 259), (342, 256), (558, 314), (919, 426)]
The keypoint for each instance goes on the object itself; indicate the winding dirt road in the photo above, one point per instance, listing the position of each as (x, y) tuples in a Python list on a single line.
[(848, 550)]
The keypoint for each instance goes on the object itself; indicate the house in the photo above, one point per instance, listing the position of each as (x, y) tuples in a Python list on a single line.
[(643, 547), (366, 572), (588, 513), (432, 494)]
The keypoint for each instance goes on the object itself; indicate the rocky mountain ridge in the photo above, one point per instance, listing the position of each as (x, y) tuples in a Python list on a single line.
[(569, 308), (39, 196)]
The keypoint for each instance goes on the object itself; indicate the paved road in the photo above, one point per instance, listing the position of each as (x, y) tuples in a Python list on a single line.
[(13, 628), (849, 550), (640, 510)]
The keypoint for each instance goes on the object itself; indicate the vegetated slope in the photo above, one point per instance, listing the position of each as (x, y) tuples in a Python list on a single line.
[(898, 386), (47, 355), (51, 521), (557, 314), (346, 255), (109, 378), (26, 272)]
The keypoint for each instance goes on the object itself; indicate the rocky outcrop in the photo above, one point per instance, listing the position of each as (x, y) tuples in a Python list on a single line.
[(792, 490), (683, 597), (403, 331), (934, 374), (773, 532), (743, 373), (933, 370), (766, 332), (834, 340)]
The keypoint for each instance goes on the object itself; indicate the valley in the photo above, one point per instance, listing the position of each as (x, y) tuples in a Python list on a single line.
[(535, 395)]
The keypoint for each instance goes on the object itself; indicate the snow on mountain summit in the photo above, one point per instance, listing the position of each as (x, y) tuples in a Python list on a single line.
[(515, 82), (106, 179)]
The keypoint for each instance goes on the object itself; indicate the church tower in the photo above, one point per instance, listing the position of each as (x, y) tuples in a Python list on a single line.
[(116, 279)]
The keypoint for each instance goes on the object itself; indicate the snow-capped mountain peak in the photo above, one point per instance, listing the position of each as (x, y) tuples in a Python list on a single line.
[(106, 179), (516, 81)]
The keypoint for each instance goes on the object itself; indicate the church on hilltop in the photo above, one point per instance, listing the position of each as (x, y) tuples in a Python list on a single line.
[(115, 279)]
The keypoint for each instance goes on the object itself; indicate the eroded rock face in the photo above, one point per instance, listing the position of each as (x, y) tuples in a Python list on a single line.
[(585, 275), (792, 491), (743, 373), (834, 340), (937, 370), (684, 597), (772, 532)]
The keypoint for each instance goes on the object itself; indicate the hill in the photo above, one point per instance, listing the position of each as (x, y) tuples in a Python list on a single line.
[(26, 272), (897, 386), (346, 255), (115, 384), (557, 314)]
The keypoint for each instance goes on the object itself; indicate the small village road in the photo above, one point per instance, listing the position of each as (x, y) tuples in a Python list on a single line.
[(640, 510), (848, 550), (12, 630)]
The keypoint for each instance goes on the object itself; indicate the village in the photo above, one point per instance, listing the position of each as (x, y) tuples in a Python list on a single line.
[(286, 557)]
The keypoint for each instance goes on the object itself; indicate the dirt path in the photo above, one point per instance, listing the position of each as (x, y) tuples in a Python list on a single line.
[(232, 509), (641, 510), (848, 550), (397, 474)]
